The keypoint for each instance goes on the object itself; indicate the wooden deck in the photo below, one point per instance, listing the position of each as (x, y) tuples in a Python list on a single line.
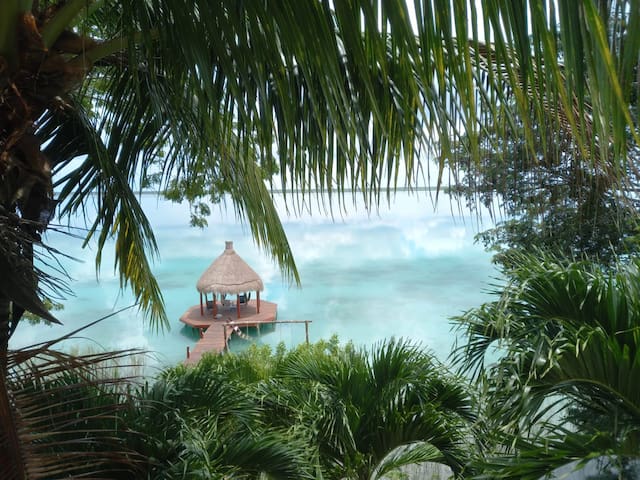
[(213, 329)]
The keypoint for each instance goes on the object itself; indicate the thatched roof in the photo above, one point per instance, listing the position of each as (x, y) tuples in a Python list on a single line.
[(229, 274)]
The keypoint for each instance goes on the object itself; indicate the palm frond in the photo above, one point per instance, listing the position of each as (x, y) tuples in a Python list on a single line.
[(407, 455), (348, 97), (561, 449), (202, 419), (366, 404), (71, 134), (569, 343), (66, 413), (20, 281)]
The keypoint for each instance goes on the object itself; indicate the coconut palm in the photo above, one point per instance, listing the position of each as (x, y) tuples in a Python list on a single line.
[(97, 97), (333, 97), (561, 385)]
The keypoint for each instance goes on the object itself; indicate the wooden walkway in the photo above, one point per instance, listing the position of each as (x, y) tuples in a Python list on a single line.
[(213, 329)]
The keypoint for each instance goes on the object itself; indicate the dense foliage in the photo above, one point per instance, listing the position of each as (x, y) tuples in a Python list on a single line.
[(320, 410), (317, 411), (554, 201), (543, 190), (553, 362), (99, 97), (557, 357), (77, 409)]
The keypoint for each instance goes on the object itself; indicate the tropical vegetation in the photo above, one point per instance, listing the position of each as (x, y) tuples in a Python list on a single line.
[(354, 102), (73, 410), (559, 204), (556, 357), (227, 99), (556, 198), (318, 411)]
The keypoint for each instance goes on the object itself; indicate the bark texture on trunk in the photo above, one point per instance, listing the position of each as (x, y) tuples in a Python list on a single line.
[(12, 465), (5, 331)]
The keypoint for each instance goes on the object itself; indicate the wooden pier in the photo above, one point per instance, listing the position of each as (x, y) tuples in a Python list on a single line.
[(215, 331)]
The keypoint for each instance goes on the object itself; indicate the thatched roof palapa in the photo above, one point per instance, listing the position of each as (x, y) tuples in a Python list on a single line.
[(229, 274)]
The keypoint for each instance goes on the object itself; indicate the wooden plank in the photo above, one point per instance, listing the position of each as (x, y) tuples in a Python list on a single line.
[(213, 339)]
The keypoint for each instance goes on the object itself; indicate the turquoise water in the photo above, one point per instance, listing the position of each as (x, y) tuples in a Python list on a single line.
[(402, 272)]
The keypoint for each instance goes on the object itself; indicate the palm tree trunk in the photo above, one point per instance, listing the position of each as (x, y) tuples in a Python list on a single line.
[(11, 458), (5, 327)]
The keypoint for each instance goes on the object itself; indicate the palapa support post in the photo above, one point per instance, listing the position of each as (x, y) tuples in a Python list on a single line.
[(258, 301), (238, 304), (201, 309), (188, 352), (306, 331)]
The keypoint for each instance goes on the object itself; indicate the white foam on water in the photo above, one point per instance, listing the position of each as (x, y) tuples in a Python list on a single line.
[(401, 272)]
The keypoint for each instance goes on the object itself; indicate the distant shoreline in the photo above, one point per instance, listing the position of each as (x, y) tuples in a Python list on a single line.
[(336, 190)]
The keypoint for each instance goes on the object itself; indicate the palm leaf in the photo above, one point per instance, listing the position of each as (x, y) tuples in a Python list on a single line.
[(407, 455), (20, 282), (563, 448), (569, 343), (341, 97), (64, 415), (364, 405)]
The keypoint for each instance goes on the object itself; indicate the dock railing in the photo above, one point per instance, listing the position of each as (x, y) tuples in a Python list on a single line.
[(235, 326), (252, 324)]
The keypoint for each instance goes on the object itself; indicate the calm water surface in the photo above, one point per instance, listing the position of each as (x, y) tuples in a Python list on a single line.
[(402, 272)]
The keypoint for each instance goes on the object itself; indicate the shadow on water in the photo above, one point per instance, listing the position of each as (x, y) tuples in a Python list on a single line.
[(190, 333), (237, 342)]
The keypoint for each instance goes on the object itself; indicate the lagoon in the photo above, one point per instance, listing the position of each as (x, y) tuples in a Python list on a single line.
[(403, 272)]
